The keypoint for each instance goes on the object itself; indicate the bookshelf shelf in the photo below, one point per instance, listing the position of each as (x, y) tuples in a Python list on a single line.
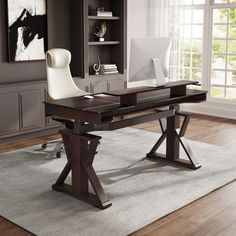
[(103, 17), (103, 43)]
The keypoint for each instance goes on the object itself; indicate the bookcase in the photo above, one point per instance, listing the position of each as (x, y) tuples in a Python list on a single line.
[(86, 48)]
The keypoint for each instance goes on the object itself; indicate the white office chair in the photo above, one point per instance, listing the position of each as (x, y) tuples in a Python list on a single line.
[(60, 85)]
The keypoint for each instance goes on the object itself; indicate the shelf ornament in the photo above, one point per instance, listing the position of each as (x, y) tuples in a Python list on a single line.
[(97, 67), (102, 29)]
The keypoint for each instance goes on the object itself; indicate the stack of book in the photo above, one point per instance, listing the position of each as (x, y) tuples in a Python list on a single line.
[(104, 13), (108, 69)]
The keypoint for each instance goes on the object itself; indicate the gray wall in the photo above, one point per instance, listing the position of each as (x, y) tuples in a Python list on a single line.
[(58, 12)]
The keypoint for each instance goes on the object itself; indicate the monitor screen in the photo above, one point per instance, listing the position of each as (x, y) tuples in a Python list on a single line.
[(149, 59)]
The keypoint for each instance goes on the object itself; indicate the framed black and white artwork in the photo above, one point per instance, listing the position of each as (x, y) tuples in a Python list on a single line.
[(27, 30)]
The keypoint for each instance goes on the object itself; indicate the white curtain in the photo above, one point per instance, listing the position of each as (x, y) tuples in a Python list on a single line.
[(164, 21), (163, 17), (159, 18)]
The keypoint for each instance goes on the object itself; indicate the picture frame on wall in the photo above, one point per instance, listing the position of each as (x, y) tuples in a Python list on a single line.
[(27, 30)]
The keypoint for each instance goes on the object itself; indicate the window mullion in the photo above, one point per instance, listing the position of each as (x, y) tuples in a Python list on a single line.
[(226, 56), (206, 75)]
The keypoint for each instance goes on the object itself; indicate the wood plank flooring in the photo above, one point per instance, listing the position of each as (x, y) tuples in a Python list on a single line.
[(214, 214), (8, 228)]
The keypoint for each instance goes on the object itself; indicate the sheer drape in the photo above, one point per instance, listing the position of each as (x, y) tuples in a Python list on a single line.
[(159, 18), (164, 21), (164, 15)]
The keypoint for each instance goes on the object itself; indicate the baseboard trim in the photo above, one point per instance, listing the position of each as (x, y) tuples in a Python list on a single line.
[(34, 134), (212, 108)]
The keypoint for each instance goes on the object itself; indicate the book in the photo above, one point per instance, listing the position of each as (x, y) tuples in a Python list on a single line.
[(104, 13), (108, 72), (108, 69), (108, 66), (113, 69)]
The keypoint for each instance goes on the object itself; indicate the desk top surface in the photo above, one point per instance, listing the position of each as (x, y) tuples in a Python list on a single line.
[(104, 107), (144, 89)]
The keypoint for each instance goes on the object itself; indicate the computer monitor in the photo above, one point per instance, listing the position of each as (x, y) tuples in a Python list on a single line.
[(149, 59)]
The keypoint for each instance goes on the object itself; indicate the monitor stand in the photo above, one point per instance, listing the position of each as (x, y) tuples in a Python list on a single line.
[(160, 76)]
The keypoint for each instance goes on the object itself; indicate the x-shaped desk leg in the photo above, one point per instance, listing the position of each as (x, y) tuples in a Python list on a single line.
[(173, 139), (80, 151)]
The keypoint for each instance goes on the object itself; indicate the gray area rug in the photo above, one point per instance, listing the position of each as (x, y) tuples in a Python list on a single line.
[(141, 191)]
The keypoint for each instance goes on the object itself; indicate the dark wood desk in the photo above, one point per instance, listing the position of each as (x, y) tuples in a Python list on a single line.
[(115, 110)]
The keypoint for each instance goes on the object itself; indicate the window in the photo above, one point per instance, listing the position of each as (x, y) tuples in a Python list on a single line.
[(187, 53), (204, 45), (223, 50)]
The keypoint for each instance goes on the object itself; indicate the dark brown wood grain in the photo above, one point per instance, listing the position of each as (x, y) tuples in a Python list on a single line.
[(98, 109)]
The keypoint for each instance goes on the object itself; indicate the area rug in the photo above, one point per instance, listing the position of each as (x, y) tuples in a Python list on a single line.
[(140, 190)]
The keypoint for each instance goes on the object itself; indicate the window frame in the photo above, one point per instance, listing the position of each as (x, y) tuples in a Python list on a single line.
[(208, 9), (182, 67), (210, 24)]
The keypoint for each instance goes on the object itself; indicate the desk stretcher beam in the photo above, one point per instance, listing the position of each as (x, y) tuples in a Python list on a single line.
[(83, 128)]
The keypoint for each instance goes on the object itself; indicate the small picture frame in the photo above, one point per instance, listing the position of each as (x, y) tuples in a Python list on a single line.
[(27, 30)]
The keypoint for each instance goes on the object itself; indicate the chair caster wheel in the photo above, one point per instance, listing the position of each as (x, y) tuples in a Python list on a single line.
[(58, 154), (44, 146)]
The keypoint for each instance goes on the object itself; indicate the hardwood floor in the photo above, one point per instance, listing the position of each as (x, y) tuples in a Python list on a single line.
[(27, 143), (214, 214), (8, 228)]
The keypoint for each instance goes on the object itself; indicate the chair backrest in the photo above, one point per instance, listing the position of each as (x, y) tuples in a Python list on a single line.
[(60, 81)]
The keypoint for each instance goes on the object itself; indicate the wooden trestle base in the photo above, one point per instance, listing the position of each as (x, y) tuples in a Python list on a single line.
[(80, 152), (81, 149), (176, 162), (173, 141)]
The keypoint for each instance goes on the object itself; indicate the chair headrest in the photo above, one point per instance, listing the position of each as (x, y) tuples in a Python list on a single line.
[(58, 58)]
